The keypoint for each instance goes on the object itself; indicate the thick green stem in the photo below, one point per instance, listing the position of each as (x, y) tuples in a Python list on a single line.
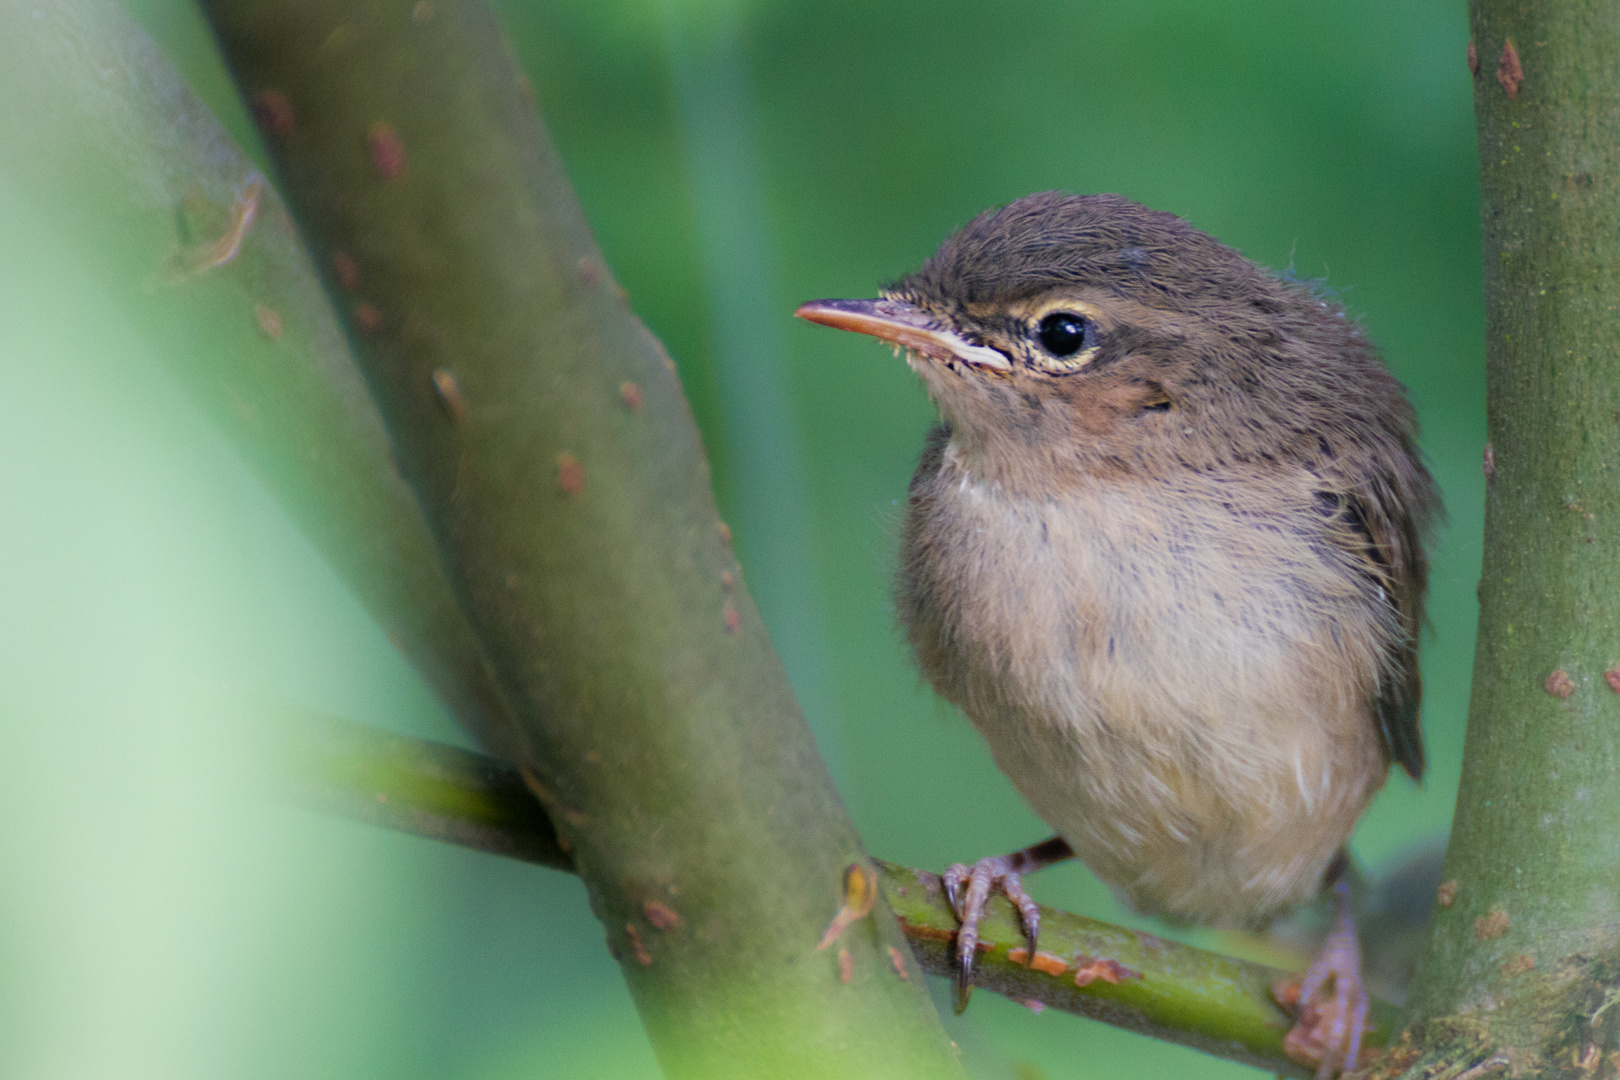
[(1529, 945), (1133, 980), (556, 459)]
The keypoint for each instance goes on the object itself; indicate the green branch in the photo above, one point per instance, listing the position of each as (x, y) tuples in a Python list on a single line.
[(1137, 981), (550, 446), (143, 185), (1526, 948)]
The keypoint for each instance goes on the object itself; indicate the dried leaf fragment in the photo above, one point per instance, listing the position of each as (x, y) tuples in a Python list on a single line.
[(220, 252), (1109, 971), (1050, 963), (1307, 1043), (860, 892), (449, 391)]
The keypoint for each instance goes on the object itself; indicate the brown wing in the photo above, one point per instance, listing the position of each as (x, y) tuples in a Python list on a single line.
[(1382, 528)]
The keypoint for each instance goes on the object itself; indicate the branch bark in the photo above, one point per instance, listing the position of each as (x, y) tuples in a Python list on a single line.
[(1525, 959), (553, 452)]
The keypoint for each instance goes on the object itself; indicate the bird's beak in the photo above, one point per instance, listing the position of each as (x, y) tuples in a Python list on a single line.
[(904, 325)]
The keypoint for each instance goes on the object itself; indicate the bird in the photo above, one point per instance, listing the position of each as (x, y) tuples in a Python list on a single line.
[(1165, 549)]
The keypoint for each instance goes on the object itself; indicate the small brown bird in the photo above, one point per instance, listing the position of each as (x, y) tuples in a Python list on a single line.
[(1165, 550)]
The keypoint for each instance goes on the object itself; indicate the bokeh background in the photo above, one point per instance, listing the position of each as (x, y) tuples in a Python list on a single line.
[(734, 159)]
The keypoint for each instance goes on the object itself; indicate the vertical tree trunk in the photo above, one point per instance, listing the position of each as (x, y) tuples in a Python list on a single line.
[(1525, 949), (558, 466)]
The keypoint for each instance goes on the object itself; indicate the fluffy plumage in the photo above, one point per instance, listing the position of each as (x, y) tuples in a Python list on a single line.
[(1179, 588), (1166, 553)]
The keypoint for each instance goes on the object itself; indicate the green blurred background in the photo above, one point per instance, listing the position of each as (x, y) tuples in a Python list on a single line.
[(734, 161)]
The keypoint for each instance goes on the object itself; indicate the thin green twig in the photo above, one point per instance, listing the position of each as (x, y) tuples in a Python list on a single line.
[(1130, 979)]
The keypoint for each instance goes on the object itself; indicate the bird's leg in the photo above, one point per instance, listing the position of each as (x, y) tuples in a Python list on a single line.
[(983, 877), (1328, 1032)]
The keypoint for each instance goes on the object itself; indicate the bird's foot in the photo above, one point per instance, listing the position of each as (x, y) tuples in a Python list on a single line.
[(1328, 1027), (981, 879), (969, 889)]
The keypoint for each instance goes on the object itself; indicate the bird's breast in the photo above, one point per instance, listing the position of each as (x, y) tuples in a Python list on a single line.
[(1177, 674)]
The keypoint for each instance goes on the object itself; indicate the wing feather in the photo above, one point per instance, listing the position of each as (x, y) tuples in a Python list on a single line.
[(1383, 532)]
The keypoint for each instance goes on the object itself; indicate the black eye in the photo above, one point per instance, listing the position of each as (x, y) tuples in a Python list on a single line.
[(1063, 333)]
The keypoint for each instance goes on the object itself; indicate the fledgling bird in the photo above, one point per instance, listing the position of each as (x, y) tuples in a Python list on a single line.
[(1165, 549)]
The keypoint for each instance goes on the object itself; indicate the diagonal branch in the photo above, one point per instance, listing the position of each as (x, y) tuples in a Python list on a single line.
[(554, 456), (1133, 980)]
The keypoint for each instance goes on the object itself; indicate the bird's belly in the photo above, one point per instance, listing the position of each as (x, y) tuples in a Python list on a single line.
[(1192, 715)]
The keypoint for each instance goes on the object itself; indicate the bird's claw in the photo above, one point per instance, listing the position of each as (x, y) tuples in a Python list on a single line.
[(1328, 1029), (981, 879)]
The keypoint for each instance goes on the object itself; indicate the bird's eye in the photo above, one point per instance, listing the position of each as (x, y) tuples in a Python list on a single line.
[(1063, 333)]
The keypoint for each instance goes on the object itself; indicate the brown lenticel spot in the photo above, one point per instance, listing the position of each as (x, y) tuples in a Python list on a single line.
[(643, 957), (346, 269), (1446, 893), (1559, 684), (1518, 964), (367, 317), (269, 321), (631, 393), (1492, 924), (570, 474), (1509, 72), (387, 151), (661, 915), (273, 112)]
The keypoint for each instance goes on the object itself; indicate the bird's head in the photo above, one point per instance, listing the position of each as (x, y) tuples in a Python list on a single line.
[(1065, 335)]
